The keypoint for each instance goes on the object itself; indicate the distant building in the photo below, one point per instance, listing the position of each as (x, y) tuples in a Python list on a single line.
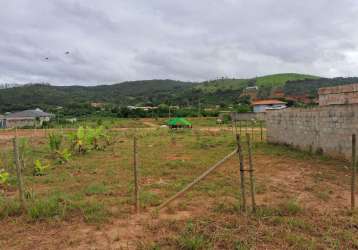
[(145, 108), (251, 91), (26, 118), (2, 121), (269, 104), (97, 104)]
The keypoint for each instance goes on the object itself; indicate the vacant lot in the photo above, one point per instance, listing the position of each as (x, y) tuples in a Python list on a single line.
[(88, 201)]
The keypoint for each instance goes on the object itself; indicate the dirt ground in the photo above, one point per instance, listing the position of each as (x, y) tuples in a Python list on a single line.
[(320, 187)]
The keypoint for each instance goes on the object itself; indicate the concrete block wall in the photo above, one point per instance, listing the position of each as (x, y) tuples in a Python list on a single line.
[(248, 116), (326, 129), (343, 94)]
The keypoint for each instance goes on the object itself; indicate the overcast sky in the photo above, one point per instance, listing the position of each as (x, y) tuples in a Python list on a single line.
[(117, 40)]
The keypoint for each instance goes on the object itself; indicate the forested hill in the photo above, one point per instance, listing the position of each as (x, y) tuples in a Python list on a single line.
[(221, 91)]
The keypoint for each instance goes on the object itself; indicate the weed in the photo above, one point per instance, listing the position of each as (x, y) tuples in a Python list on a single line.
[(149, 199), (93, 212), (190, 239), (4, 177), (240, 245), (266, 212), (299, 242), (46, 208), (97, 188), (227, 208), (290, 207), (54, 142), (9, 208), (323, 195), (39, 168), (296, 223)]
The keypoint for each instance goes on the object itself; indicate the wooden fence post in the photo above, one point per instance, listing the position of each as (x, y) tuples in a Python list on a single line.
[(261, 131), (354, 163), (18, 172), (135, 171), (252, 130), (235, 127), (242, 176), (251, 170), (240, 126)]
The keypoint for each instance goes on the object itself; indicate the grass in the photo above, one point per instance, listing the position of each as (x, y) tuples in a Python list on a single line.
[(97, 188)]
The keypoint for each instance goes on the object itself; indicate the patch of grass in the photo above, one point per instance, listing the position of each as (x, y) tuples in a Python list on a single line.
[(323, 195), (93, 212), (297, 241), (297, 223), (45, 208), (149, 199), (227, 208), (96, 188), (240, 245), (290, 207), (282, 150), (9, 208), (190, 239), (260, 188), (266, 212)]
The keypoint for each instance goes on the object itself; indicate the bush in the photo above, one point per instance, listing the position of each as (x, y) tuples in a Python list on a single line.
[(55, 141), (39, 168)]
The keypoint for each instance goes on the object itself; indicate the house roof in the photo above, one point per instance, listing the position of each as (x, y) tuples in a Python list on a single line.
[(267, 102), (178, 121), (33, 113)]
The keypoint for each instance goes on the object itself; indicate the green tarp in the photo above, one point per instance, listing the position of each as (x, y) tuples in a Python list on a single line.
[(178, 122)]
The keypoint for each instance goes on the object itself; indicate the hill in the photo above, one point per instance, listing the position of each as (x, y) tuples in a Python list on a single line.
[(222, 91)]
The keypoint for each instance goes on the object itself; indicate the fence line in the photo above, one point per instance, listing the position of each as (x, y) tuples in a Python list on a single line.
[(202, 176)]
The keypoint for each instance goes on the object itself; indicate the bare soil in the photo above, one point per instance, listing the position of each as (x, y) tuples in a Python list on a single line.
[(321, 188)]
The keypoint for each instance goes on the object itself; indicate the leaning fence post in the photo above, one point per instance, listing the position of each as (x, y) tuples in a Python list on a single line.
[(251, 169), (242, 177), (135, 171), (354, 162), (18, 172)]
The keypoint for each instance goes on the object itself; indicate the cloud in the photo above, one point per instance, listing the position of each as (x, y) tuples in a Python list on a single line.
[(113, 41)]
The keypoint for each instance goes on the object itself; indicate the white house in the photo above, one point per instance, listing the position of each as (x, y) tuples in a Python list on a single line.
[(268, 104)]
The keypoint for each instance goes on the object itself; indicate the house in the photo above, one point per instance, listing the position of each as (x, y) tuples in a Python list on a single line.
[(2, 121), (250, 91), (145, 108), (268, 104), (27, 118)]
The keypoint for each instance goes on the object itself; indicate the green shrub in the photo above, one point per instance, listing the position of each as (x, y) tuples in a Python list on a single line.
[(39, 168), (4, 177), (54, 141)]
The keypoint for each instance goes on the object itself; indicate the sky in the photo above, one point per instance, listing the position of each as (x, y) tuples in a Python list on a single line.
[(111, 41)]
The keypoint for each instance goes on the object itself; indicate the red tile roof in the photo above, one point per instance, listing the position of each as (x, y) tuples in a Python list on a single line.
[(267, 102)]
